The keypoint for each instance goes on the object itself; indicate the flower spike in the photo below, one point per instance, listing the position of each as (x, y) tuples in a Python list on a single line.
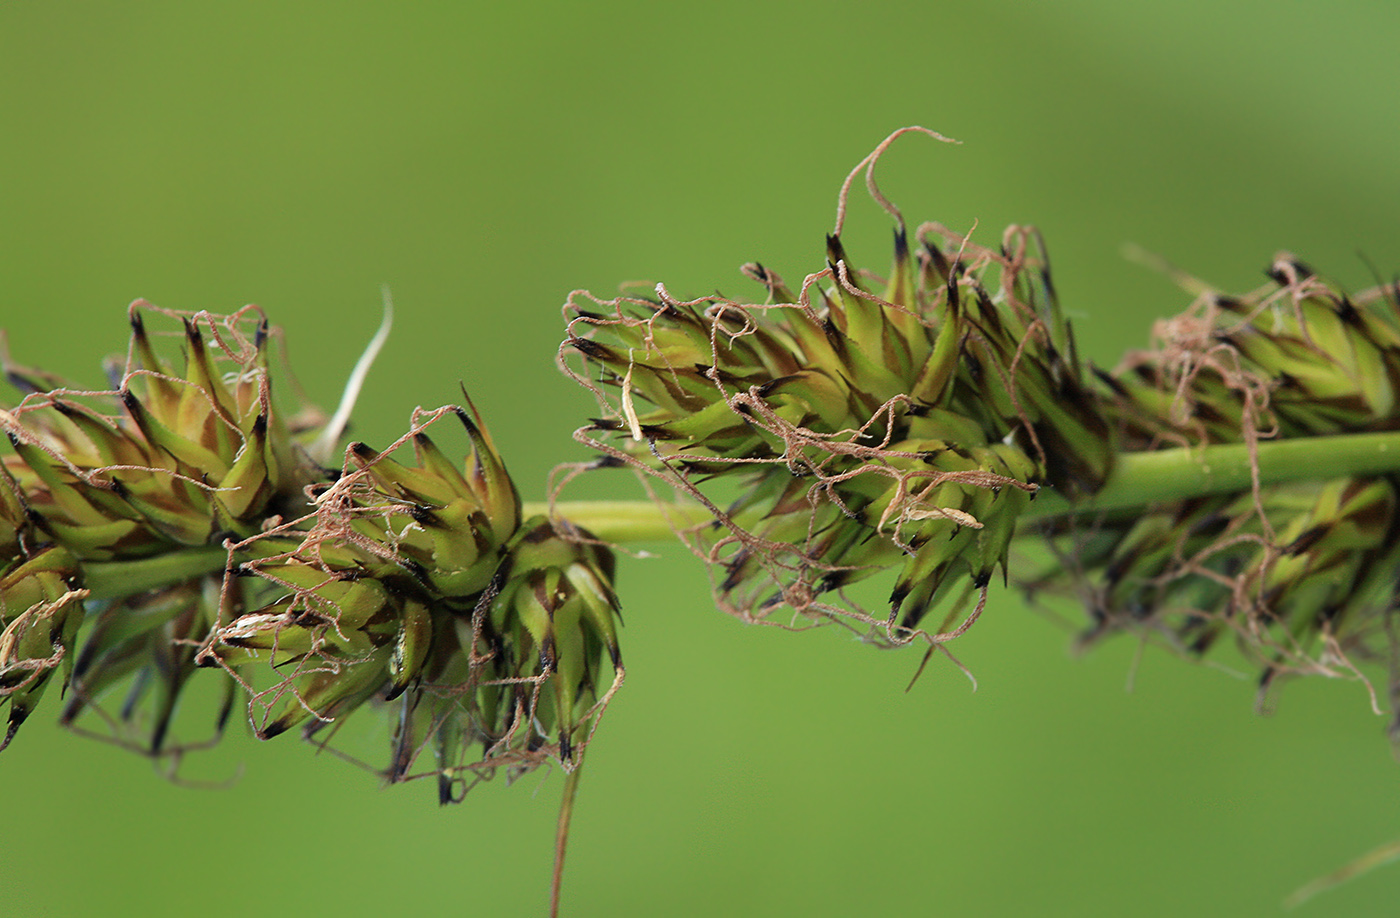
[(862, 430)]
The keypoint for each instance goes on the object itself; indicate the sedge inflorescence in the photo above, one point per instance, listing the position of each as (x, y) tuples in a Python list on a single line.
[(186, 519), (165, 464), (864, 422), (1301, 574)]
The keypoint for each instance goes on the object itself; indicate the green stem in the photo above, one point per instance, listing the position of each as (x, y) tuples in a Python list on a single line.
[(561, 836), (625, 520), (1138, 480)]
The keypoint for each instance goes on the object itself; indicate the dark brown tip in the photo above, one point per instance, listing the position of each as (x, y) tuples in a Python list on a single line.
[(23, 383), (766, 389), (589, 348), (833, 580), (834, 250), (501, 576), (937, 258), (17, 715), (1347, 311), (1049, 283), (540, 534), (1108, 379), (1306, 540), (416, 570), (276, 728), (974, 367), (735, 571), (547, 657), (472, 430), (446, 794), (158, 733)]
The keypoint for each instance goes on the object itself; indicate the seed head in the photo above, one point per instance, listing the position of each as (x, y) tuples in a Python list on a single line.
[(180, 455), (1302, 575), (861, 421), (406, 578), (417, 585)]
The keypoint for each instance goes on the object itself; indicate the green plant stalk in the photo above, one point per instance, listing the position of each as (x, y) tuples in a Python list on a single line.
[(1137, 480), (624, 520), (1141, 479), (561, 836)]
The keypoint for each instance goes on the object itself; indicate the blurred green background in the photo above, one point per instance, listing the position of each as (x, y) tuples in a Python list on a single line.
[(484, 160)]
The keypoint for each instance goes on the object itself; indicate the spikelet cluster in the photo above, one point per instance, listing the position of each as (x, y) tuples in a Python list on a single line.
[(167, 465), (180, 526), (418, 584), (1302, 575), (855, 423)]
